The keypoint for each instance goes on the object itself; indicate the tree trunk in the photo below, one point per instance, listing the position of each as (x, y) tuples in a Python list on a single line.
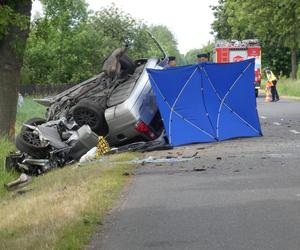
[(12, 48), (294, 63)]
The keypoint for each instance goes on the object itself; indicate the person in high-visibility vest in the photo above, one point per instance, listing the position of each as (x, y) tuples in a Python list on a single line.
[(268, 91), (272, 78)]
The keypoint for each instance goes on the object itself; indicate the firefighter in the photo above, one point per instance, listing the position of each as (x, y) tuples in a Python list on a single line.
[(272, 79), (171, 62), (203, 57)]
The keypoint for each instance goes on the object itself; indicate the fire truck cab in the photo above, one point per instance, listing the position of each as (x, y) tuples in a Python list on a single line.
[(235, 51)]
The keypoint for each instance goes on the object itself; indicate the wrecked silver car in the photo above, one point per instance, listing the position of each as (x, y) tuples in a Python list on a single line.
[(118, 104)]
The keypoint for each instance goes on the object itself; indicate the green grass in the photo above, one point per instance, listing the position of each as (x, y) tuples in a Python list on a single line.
[(5, 177), (29, 110), (63, 207), (60, 209), (286, 87)]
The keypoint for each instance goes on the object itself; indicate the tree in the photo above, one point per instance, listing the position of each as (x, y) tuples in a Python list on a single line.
[(220, 26), (167, 41), (281, 18), (14, 29), (191, 55), (287, 21), (276, 23), (77, 53)]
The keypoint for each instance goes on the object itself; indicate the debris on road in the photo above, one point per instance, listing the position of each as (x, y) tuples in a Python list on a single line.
[(152, 159), (199, 169), (189, 154)]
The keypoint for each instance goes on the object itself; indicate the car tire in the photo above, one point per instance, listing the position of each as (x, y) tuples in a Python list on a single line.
[(92, 114), (256, 92), (30, 143)]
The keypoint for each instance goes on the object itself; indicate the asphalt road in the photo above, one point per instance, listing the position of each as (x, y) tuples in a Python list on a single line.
[(247, 195)]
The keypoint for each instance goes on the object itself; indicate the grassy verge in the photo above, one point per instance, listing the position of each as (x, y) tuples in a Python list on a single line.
[(289, 87), (28, 110), (5, 177), (286, 87), (61, 208)]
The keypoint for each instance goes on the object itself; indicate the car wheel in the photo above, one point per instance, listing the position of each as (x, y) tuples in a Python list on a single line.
[(29, 142), (256, 92), (92, 114)]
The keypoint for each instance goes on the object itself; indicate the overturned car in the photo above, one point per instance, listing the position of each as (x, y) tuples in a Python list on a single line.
[(117, 104)]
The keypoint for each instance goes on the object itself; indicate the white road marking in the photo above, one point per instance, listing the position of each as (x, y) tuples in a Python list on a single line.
[(263, 117), (281, 119), (277, 123), (294, 131)]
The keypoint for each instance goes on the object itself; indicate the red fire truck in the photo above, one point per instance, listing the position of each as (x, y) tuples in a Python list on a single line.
[(235, 51)]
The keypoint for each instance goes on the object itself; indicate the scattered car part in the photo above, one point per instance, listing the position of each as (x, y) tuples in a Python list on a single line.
[(12, 161), (145, 146), (20, 182), (86, 139), (51, 135)]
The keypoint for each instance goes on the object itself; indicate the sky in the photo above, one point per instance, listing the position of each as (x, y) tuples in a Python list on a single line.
[(189, 20)]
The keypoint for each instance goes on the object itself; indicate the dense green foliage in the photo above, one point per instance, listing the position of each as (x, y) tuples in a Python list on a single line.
[(191, 55), (69, 44), (9, 17), (276, 23)]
